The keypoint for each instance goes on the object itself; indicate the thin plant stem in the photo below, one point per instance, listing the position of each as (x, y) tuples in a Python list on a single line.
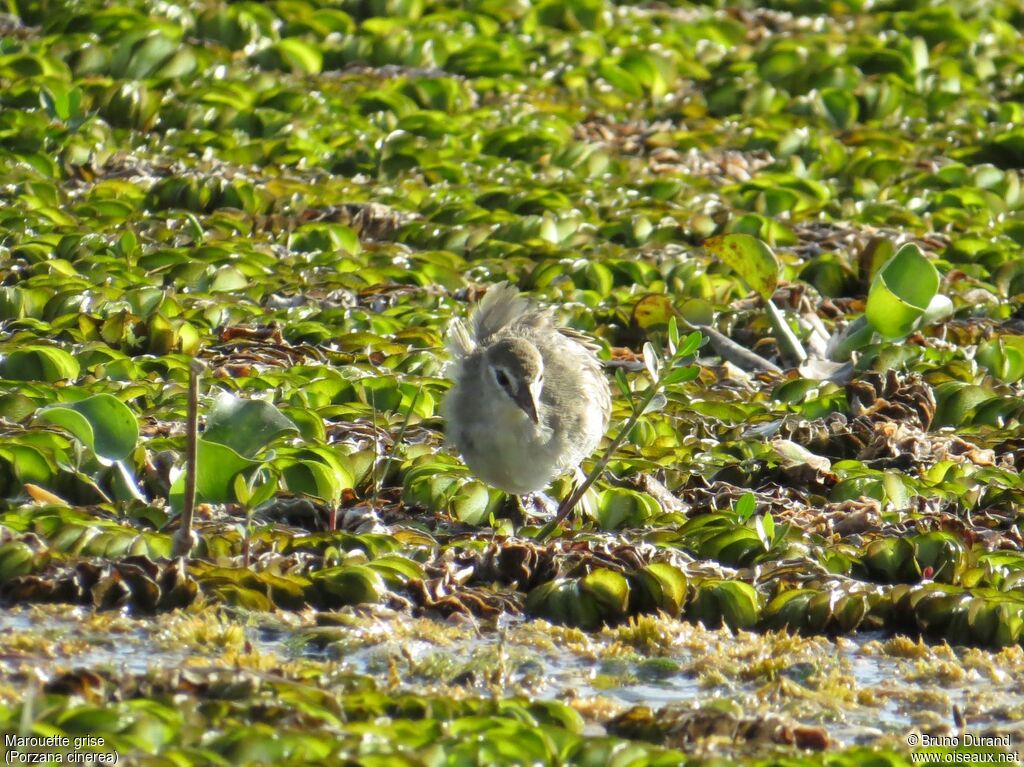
[(397, 443), (376, 453), (184, 541)]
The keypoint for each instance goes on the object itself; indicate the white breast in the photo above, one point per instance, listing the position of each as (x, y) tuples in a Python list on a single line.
[(517, 456)]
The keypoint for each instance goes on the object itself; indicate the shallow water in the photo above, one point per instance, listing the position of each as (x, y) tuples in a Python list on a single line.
[(860, 689)]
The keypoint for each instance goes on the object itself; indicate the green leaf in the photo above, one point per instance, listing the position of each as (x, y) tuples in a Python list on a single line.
[(472, 504), (666, 586), (673, 336), (61, 100), (28, 463), (217, 466), (651, 361), (149, 55), (315, 479), (697, 311), (301, 56), (610, 591), (623, 383), (840, 105), (102, 423), (245, 425), (901, 292), (39, 363), (350, 584), (734, 602), (619, 507), (656, 404), (653, 311), (1003, 356), (745, 507), (750, 258)]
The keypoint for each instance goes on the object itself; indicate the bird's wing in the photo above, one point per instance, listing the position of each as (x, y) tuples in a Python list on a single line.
[(584, 340), (501, 305)]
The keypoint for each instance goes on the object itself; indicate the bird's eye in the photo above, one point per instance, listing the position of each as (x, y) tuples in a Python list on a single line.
[(502, 377)]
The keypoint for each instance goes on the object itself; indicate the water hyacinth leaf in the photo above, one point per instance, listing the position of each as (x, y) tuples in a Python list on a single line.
[(891, 560), (148, 55), (72, 422), (310, 238), (939, 308), (697, 311), (569, 605), (315, 479), (789, 609), (350, 584), (472, 504), (1003, 356), (901, 292), (940, 553), (102, 423), (755, 263), (1010, 625), (39, 363), (300, 56), (16, 559), (840, 105), (659, 586), (957, 402), (896, 490), (397, 570), (245, 425), (61, 100), (733, 602), (610, 590), (653, 311), (791, 454), (736, 546), (30, 465), (217, 466), (620, 507)]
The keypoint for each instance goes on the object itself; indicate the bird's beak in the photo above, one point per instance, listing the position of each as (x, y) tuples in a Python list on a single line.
[(527, 403)]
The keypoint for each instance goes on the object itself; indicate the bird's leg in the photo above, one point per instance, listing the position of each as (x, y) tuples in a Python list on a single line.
[(534, 505)]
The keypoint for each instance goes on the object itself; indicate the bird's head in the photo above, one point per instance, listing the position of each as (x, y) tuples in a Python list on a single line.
[(516, 370)]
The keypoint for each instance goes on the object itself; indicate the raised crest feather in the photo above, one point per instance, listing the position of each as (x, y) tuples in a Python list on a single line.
[(500, 305)]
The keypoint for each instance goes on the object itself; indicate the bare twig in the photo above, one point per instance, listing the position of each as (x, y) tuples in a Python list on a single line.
[(784, 334), (738, 355)]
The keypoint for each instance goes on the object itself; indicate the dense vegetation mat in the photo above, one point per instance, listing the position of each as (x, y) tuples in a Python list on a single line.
[(302, 194)]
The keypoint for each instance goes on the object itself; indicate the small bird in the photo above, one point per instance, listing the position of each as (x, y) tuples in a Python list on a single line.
[(530, 401)]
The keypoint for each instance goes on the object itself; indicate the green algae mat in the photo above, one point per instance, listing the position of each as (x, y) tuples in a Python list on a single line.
[(794, 228)]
